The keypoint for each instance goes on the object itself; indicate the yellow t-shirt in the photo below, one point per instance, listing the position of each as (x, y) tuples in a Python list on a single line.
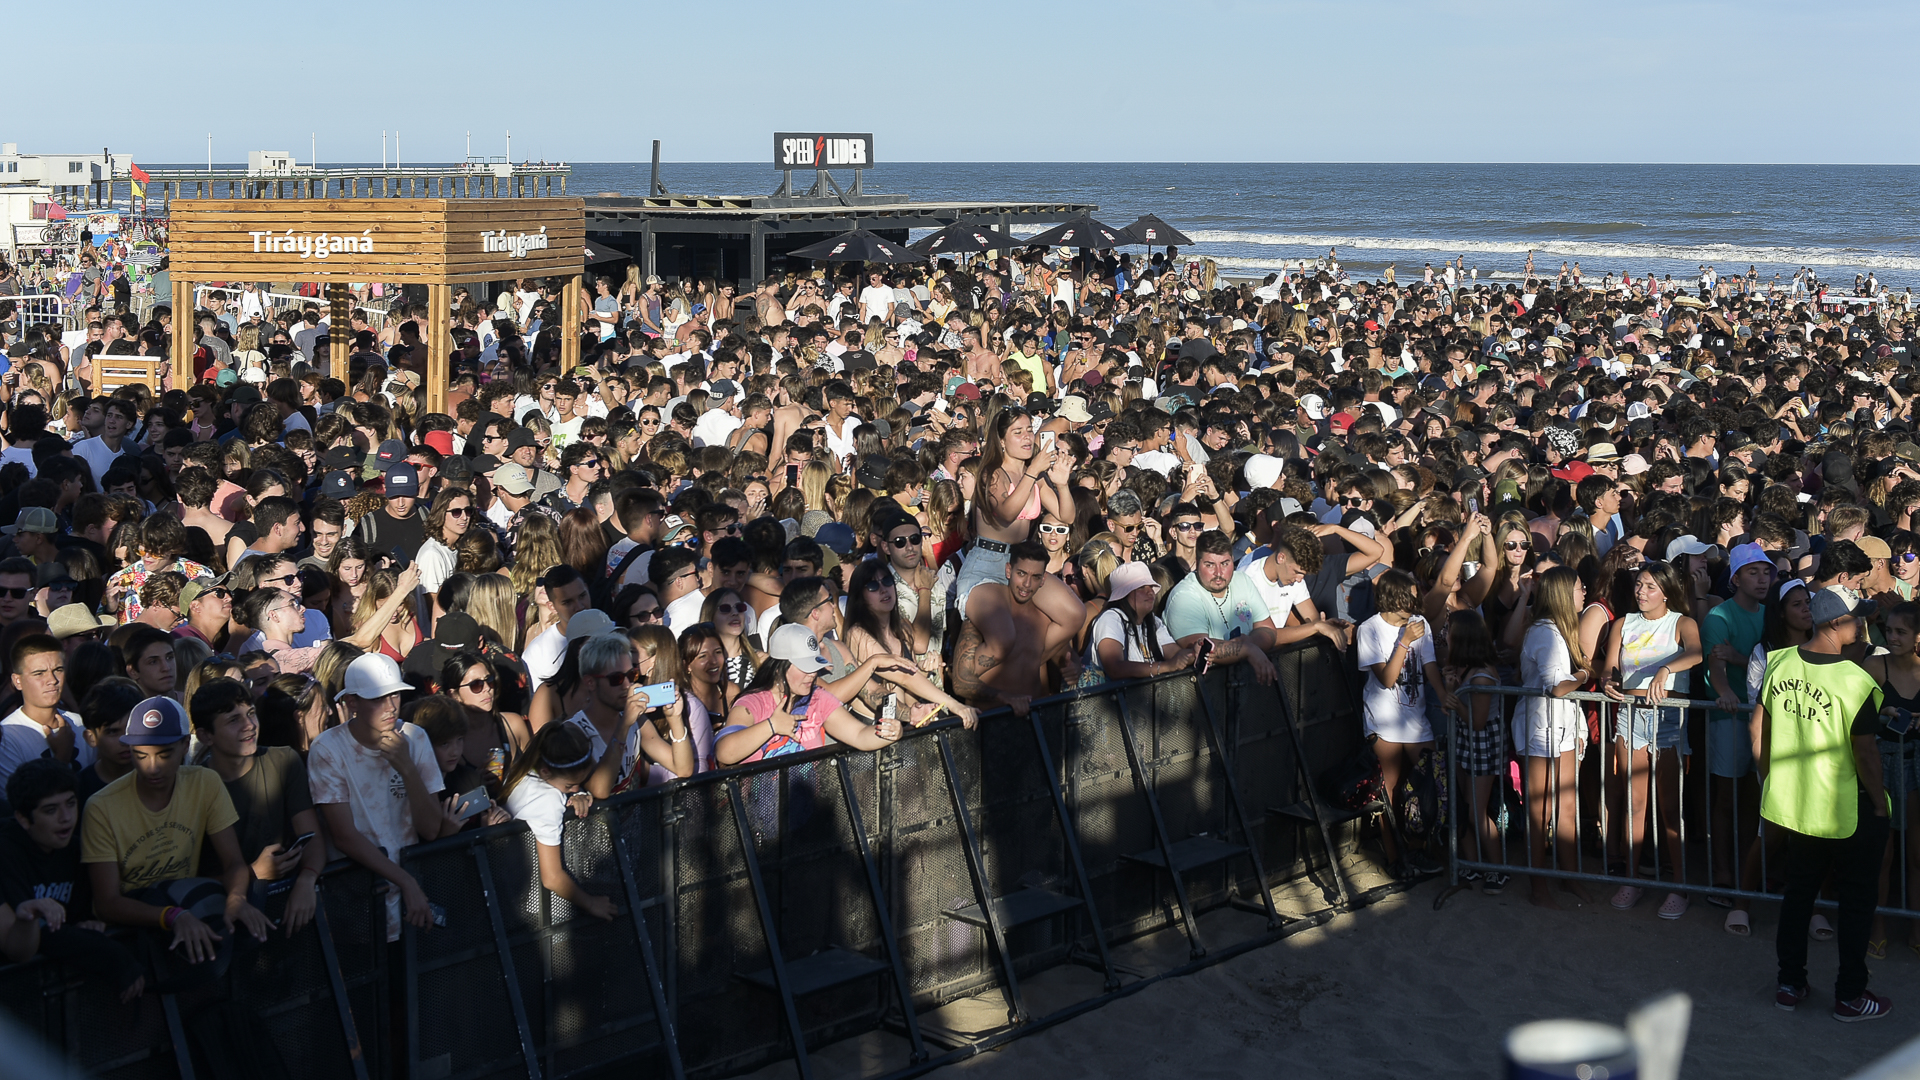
[(1035, 366), (151, 846)]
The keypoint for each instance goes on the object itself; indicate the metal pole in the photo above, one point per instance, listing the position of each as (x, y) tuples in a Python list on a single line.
[(654, 187)]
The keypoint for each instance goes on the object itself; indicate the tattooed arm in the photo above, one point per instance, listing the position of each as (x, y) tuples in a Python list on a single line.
[(972, 659)]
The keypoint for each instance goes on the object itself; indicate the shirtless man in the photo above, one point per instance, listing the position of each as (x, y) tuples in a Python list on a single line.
[(1012, 671), (767, 300), (981, 364)]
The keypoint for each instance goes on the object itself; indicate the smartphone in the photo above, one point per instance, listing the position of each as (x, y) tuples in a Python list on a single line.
[(793, 475), (300, 841), (1046, 440), (659, 694), (473, 802), (1473, 504), (1206, 655)]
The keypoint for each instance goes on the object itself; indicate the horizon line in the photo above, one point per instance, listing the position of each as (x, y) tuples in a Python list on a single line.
[(1206, 161)]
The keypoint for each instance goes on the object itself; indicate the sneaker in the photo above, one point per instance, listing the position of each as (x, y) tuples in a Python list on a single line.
[(1626, 896), (1422, 863), (1467, 873), (1789, 997), (1495, 883), (1868, 1006)]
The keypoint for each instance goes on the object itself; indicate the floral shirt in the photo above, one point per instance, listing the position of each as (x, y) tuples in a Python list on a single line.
[(124, 586)]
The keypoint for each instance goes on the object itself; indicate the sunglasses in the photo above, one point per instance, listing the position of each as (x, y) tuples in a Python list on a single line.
[(590, 463), (648, 615), (1188, 526), (1352, 500), (1050, 530), (284, 578), (1517, 545), (916, 539), (620, 678), (477, 685), (1908, 557), (459, 511), (646, 422), (879, 583)]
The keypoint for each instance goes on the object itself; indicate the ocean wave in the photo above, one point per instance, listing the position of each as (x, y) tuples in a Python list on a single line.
[(1624, 254)]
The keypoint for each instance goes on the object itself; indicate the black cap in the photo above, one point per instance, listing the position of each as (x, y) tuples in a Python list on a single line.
[(1099, 411), (1038, 402), (243, 394), (339, 485), (455, 468), (341, 457), (483, 464), (873, 472)]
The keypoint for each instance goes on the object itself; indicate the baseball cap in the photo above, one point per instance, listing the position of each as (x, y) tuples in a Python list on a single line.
[(160, 721), (338, 485), (1744, 555), (483, 465), (1573, 471), (725, 388), (34, 519), (459, 630), (194, 590), (371, 676), (798, 646), (455, 467), (1633, 465), (676, 527), (391, 451), (1263, 471), (589, 623), (403, 482), (70, 619), (836, 535), (968, 390), (1687, 545), (1874, 547), (1829, 604), (52, 574), (341, 457), (1126, 578), (512, 479)]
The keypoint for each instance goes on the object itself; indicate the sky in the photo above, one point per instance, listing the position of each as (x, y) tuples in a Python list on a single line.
[(1117, 80)]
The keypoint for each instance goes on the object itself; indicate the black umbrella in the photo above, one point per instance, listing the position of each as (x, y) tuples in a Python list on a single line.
[(857, 246), (598, 252), (1153, 232), (964, 238), (1081, 232)]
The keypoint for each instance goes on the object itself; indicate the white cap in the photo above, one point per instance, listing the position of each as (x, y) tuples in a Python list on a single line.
[(589, 623), (1264, 471), (1687, 545), (1315, 405), (372, 676), (798, 646)]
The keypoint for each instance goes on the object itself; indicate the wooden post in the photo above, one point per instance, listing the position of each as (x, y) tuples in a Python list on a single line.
[(339, 328), (570, 323), (185, 338), (439, 345)]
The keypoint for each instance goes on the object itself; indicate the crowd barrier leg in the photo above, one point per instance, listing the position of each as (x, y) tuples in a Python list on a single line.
[(637, 911), (1216, 741), (902, 987), (781, 978), (335, 978), (1165, 858), (1076, 859), (1310, 810), (982, 887), (177, 1033), (528, 1050)]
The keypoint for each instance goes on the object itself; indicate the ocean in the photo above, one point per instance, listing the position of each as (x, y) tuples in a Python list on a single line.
[(1841, 220)]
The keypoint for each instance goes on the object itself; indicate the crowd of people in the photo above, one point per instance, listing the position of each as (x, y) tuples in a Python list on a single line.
[(274, 617)]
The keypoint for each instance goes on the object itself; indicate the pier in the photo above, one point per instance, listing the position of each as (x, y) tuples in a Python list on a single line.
[(463, 180)]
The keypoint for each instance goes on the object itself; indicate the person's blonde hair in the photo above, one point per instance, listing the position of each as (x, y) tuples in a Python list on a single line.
[(491, 602), (536, 551), (814, 476), (1557, 604), (330, 667)]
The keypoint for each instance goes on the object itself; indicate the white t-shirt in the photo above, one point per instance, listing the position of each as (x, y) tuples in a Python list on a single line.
[(22, 739), (636, 572), (876, 302), (543, 655), (685, 612), (714, 426), (342, 770), (94, 451), (541, 806), (1112, 626), (1396, 713), (1281, 599)]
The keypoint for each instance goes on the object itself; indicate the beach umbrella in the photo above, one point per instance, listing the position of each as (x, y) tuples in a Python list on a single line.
[(964, 238), (1153, 232), (857, 246), (1083, 233)]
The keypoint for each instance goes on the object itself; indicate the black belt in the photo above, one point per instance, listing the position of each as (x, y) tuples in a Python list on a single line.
[(990, 545)]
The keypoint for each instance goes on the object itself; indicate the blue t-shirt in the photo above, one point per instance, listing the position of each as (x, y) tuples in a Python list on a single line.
[(1191, 609)]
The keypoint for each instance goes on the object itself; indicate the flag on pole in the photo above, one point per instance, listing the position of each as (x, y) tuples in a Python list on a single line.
[(140, 179)]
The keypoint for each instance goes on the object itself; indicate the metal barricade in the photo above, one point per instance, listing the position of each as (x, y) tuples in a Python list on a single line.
[(41, 308), (320, 996), (1649, 806)]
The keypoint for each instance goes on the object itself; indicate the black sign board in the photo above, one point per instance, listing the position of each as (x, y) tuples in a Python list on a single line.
[(794, 150)]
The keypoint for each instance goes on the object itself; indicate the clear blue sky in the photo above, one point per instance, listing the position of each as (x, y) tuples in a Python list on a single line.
[(1179, 80)]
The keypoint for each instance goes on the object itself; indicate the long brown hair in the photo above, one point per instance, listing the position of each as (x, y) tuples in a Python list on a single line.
[(1556, 602), (556, 750)]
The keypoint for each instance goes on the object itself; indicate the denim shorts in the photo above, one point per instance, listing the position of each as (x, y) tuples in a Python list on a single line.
[(1900, 772), (1729, 745), (1663, 728)]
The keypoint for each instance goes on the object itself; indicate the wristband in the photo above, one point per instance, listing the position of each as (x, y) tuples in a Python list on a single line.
[(170, 916)]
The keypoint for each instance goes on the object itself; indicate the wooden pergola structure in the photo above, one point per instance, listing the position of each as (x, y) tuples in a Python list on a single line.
[(431, 242)]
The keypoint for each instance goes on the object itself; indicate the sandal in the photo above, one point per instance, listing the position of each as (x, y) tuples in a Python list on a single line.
[(1739, 924), (1820, 929), (1674, 906), (1877, 950), (1626, 896)]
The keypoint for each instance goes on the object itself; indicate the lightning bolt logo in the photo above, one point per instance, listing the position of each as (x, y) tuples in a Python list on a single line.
[(819, 150)]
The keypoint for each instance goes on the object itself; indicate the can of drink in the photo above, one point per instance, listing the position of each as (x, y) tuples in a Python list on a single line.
[(1570, 1050), (497, 763)]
